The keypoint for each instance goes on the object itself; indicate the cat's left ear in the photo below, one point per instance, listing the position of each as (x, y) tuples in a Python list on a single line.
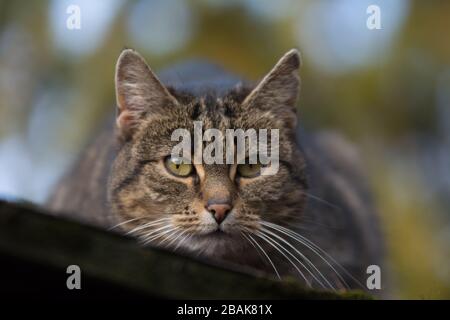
[(278, 91)]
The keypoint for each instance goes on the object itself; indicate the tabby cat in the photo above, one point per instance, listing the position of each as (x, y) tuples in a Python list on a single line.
[(313, 219)]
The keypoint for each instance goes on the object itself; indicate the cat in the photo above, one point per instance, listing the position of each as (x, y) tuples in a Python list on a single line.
[(313, 220)]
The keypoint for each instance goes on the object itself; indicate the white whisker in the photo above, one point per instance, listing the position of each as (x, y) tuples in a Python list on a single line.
[(169, 236), (127, 221), (309, 262), (332, 205), (147, 225), (153, 236), (185, 238), (275, 245), (180, 233), (154, 231), (250, 238), (253, 245), (314, 248)]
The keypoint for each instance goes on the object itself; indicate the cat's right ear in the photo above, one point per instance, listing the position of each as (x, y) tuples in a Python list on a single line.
[(138, 92), (277, 93)]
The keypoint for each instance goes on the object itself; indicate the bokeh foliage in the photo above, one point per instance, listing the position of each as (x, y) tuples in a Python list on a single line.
[(395, 106)]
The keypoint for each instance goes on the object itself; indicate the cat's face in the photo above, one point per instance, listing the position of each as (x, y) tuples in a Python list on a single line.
[(210, 209)]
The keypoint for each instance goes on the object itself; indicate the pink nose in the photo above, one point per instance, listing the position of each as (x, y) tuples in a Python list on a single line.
[(219, 211)]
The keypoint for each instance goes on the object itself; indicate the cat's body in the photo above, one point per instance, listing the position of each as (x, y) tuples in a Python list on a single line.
[(319, 191)]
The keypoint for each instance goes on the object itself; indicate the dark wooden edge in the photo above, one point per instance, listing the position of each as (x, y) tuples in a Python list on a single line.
[(33, 236)]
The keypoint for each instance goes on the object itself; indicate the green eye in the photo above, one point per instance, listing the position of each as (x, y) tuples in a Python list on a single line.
[(177, 167), (249, 170)]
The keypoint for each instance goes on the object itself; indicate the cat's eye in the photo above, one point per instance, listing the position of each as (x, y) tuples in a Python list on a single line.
[(178, 167), (249, 170)]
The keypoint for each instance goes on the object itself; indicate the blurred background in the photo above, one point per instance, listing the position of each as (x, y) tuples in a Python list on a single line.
[(387, 90)]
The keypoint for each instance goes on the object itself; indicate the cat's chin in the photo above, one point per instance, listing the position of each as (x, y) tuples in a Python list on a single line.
[(216, 238), (214, 244), (217, 234), (221, 247)]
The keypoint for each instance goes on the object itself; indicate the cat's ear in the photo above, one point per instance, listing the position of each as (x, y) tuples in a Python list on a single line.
[(278, 91), (138, 91)]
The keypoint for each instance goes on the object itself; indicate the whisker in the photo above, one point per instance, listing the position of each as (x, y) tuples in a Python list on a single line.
[(127, 221), (152, 232), (309, 262), (250, 239), (158, 235), (294, 236), (332, 205), (185, 238), (169, 236), (256, 248), (303, 221), (147, 225), (275, 245), (314, 248), (176, 237)]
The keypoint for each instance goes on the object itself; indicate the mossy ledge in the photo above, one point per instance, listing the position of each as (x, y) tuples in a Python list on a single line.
[(29, 235)]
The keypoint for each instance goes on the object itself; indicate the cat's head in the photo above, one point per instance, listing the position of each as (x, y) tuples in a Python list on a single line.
[(206, 208)]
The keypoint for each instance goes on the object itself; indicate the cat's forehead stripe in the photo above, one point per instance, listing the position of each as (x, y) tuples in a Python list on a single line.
[(212, 113)]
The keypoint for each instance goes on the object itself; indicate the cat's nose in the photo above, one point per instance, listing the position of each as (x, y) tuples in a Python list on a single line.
[(219, 210)]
